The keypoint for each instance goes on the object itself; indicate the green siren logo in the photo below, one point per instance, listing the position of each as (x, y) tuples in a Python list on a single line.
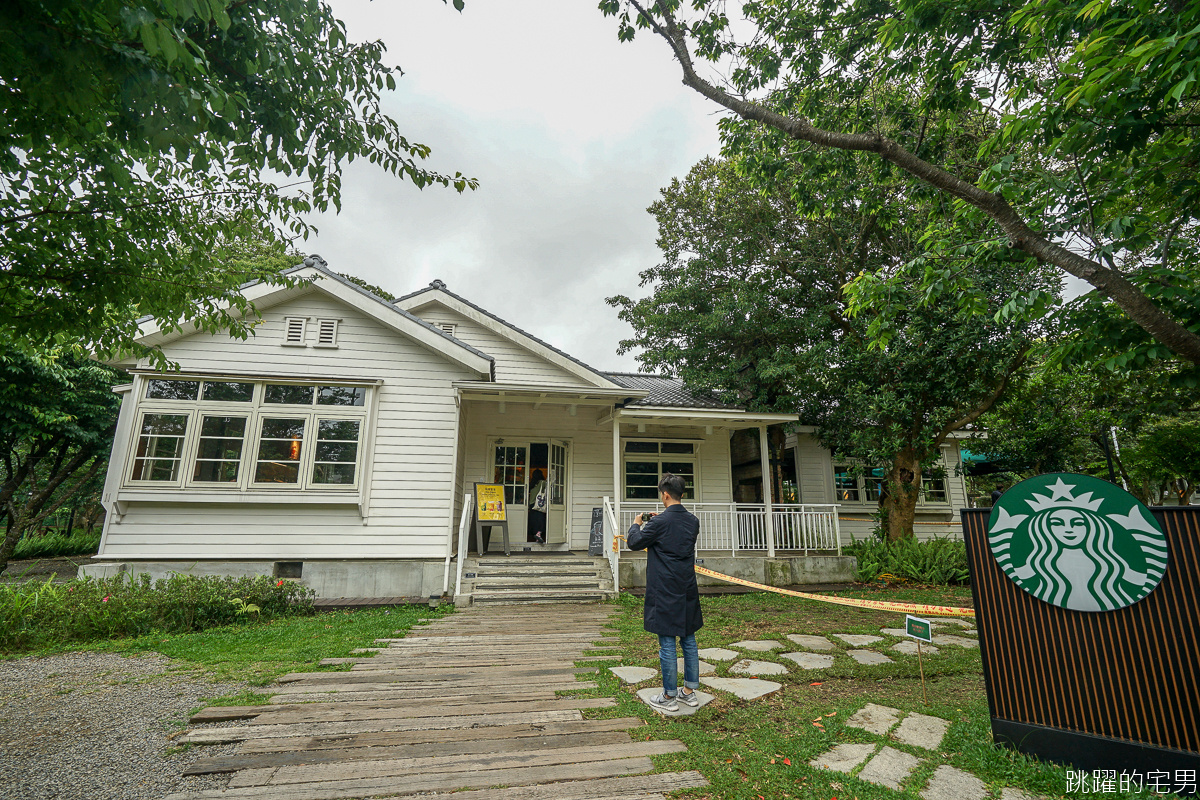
[(1077, 542)]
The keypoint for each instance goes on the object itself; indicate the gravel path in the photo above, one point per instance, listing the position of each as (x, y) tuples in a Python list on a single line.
[(94, 726)]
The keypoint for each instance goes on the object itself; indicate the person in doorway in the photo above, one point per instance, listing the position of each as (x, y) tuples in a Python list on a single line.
[(536, 529), (997, 493), (672, 597)]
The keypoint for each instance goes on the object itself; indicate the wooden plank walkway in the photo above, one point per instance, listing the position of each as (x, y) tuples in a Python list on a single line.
[(462, 704)]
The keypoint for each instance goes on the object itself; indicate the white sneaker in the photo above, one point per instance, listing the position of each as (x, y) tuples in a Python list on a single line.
[(664, 701), (690, 699)]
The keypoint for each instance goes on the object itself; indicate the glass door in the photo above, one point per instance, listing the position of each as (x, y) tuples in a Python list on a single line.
[(556, 515)]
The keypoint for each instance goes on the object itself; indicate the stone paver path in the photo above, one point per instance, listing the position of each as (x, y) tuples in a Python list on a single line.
[(633, 674), (745, 688), (909, 648), (921, 730), (949, 783), (875, 719), (889, 767), (811, 642), (810, 660), (843, 757), (684, 709), (958, 641), (758, 645), (868, 657), (858, 639), (466, 703), (719, 654), (749, 667)]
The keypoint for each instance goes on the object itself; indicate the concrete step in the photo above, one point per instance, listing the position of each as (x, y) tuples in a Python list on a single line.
[(540, 562), (551, 596)]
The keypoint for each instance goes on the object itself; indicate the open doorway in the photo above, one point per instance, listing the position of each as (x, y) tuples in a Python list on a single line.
[(539, 492)]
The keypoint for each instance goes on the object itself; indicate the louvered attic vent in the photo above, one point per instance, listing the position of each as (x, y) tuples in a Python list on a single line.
[(294, 330), (327, 332), (447, 327)]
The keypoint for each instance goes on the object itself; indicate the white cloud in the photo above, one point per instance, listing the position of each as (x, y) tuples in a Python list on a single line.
[(571, 135)]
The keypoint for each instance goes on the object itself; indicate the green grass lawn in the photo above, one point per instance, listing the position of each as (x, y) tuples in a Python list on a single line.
[(761, 748)]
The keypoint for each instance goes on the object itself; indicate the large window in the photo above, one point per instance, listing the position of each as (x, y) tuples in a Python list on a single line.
[(244, 435), (868, 485), (646, 461)]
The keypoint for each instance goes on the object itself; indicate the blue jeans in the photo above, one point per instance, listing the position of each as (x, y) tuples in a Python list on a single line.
[(667, 660)]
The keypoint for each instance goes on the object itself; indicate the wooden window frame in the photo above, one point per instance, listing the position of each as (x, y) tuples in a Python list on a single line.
[(254, 411), (693, 458)]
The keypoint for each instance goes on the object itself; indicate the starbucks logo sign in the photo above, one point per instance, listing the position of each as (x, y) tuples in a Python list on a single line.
[(1077, 542)]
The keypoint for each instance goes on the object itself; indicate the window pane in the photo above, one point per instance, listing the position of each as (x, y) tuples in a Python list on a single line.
[(172, 390), (845, 485), (680, 468), (220, 449), (643, 467), (333, 473), (641, 447), (337, 451), (678, 447), (634, 479), (228, 392), (641, 493), (873, 485), (933, 485), (275, 428), (341, 395), (216, 471), (344, 429), (279, 450), (288, 394), (159, 447), (223, 426)]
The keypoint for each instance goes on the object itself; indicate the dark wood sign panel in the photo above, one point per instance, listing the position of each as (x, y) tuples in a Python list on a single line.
[(1113, 690), (596, 534)]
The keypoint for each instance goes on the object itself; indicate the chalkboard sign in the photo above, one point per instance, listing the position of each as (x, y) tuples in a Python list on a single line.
[(596, 538)]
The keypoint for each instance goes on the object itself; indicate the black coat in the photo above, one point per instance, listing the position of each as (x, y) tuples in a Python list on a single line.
[(672, 597)]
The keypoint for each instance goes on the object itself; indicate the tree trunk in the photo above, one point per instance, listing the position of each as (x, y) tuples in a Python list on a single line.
[(903, 488), (35, 510)]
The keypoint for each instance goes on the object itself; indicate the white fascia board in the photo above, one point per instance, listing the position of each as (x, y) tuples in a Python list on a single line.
[(732, 415), (431, 296), (264, 296), (525, 389)]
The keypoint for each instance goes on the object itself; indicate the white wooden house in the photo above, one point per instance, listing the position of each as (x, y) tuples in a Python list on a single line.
[(338, 445)]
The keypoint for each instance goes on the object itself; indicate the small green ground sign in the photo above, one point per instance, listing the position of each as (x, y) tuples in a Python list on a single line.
[(918, 628)]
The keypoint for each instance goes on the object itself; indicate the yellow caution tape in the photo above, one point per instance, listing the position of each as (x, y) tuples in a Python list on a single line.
[(877, 605)]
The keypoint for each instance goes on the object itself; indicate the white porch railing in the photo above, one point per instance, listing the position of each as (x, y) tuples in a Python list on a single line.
[(744, 527), (612, 545), (464, 530)]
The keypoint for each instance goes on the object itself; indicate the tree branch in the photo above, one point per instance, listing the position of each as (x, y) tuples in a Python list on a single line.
[(1111, 283)]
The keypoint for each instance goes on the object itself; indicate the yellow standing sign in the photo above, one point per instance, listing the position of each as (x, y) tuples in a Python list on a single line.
[(489, 500), (490, 512)]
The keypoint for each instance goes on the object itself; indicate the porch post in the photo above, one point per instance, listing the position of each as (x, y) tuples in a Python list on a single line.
[(617, 471), (765, 457)]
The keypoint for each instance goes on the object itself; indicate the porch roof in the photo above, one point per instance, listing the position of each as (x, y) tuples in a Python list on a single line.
[(696, 417)]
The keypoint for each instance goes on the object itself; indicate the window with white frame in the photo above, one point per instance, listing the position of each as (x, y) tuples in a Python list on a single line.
[(857, 485), (242, 435), (646, 461)]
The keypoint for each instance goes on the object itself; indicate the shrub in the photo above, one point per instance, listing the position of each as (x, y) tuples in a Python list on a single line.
[(53, 545), (938, 560), (35, 614)]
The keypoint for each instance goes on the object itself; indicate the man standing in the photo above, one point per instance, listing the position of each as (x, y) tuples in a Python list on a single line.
[(672, 597)]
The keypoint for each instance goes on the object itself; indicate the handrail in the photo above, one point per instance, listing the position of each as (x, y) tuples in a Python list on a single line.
[(464, 528), (613, 546)]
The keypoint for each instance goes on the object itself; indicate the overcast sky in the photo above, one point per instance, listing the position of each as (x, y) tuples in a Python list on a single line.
[(571, 135)]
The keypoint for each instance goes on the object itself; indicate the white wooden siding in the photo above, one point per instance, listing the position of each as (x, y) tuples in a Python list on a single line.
[(514, 363), (412, 480), (591, 477)]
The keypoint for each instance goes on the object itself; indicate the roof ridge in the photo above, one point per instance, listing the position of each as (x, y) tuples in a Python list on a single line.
[(439, 286)]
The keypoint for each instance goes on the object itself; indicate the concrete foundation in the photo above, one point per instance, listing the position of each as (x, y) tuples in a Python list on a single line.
[(413, 579), (782, 570)]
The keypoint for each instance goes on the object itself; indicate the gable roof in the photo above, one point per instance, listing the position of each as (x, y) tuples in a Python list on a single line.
[(437, 292), (666, 392), (381, 310)]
